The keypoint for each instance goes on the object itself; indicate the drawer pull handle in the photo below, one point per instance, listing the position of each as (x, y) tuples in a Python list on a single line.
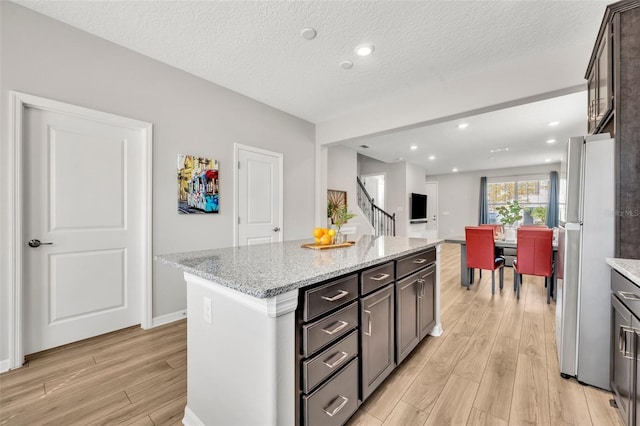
[(628, 296), (338, 408), (622, 341), (342, 325), (368, 332), (340, 295), (419, 261), (380, 277), (336, 362)]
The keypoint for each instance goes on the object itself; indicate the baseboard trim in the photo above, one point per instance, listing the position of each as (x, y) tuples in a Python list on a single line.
[(190, 419), (168, 318), (4, 366), (437, 330)]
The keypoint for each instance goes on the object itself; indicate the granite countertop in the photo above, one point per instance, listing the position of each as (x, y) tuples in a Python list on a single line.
[(630, 268), (265, 270)]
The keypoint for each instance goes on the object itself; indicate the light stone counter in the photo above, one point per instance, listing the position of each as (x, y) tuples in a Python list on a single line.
[(630, 268), (266, 270), (241, 327)]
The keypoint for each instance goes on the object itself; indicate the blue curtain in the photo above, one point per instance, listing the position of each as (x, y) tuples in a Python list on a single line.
[(552, 209), (483, 216)]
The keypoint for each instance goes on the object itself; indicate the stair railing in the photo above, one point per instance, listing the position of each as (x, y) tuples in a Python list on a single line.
[(383, 223)]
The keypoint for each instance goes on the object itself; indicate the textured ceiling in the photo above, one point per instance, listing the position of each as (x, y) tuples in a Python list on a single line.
[(255, 48)]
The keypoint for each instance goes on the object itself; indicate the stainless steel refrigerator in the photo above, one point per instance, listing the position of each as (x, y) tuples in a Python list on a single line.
[(585, 239)]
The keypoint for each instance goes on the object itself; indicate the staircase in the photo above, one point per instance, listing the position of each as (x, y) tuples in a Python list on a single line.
[(383, 223)]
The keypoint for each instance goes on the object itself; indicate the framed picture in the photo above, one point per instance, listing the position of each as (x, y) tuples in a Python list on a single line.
[(336, 200), (198, 185)]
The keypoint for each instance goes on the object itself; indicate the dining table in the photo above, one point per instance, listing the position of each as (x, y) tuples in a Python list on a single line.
[(467, 276)]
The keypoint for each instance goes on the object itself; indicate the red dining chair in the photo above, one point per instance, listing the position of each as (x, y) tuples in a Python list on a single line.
[(481, 254), (534, 256)]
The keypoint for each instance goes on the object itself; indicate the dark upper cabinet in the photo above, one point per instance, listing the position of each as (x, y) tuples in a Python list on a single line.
[(599, 83), (613, 79)]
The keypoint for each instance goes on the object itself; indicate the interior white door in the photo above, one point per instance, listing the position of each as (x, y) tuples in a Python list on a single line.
[(431, 189), (82, 201), (374, 184), (259, 196)]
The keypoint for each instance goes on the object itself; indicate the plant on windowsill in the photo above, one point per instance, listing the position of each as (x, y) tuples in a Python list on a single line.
[(510, 214)]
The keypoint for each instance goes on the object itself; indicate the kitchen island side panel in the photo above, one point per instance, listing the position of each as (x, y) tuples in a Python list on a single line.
[(239, 366)]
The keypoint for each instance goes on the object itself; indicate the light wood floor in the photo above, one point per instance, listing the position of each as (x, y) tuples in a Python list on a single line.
[(494, 364)]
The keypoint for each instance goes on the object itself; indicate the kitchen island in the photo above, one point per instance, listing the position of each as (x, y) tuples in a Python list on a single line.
[(246, 328)]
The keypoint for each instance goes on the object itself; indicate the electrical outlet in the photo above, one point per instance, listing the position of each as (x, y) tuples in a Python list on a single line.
[(207, 310)]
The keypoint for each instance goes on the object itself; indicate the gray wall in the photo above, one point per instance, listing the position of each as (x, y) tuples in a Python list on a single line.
[(401, 179), (459, 195), (44, 57), (342, 166)]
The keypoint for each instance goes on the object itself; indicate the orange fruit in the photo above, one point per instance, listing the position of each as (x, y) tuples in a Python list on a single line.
[(318, 232), (332, 232), (325, 239), (317, 240)]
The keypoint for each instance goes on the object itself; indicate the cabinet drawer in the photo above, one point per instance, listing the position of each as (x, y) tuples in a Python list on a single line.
[(335, 401), (626, 291), (320, 333), (412, 263), (375, 278), (317, 369), (329, 296)]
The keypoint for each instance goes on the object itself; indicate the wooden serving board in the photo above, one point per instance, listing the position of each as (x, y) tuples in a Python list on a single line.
[(315, 246)]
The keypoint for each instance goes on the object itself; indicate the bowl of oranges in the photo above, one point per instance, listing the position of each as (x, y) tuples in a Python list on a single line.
[(324, 236)]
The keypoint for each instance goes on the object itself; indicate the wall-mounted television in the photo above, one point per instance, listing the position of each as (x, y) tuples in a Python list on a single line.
[(418, 207)]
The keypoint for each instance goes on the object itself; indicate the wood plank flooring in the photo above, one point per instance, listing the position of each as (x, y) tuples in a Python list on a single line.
[(495, 364)]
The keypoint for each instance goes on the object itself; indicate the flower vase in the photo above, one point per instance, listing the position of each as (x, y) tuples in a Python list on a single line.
[(340, 237), (509, 233)]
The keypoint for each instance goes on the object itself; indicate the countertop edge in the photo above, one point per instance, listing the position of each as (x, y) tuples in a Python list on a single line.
[(268, 293), (630, 268)]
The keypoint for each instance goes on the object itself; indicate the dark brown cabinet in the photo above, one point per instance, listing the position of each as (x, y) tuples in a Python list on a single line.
[(600, 94), (415, 315), (377, 316), (625, 347), (348, 336), (613, 77), (327, 352)]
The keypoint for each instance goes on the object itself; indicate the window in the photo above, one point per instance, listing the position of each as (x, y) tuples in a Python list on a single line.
[(531, 193)]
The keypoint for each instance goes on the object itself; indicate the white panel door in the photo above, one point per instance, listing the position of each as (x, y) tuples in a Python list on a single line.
[(83, 202), (431, 189), (259, 197)]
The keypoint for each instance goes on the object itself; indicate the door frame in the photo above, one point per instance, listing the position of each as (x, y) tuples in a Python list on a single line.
[(236, 186), (18, 103)]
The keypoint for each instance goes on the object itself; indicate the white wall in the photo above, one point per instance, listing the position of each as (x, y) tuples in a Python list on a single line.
[(44, 57), (342, 166), (402, 179), (459, 195)]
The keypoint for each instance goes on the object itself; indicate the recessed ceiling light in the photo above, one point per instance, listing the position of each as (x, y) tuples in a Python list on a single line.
[(463, 125), (551, 141), (346, 65), (365, 49), (308, 33), (554, 123), (455, 169), (432, 157), (547, 160), (413, 147)]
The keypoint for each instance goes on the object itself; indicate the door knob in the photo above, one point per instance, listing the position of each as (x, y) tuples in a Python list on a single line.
[(276, 229), (37, 243)]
